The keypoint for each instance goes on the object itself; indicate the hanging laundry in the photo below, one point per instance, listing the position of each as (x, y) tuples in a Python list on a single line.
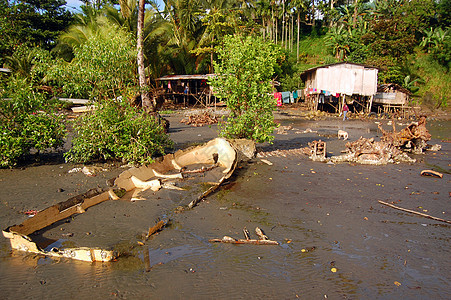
[(286, 97), (278, 97)]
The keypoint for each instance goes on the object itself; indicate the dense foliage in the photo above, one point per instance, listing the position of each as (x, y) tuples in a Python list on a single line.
[(243, 79), (103, 66), (27, 121), (117, 131), (31, 23)]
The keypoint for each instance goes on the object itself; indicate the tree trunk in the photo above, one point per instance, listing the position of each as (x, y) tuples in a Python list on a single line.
[(332, 2), (299, 27), (354, 21), (292, 32), (211, 55), (146, 103), (313, 13), (283, 23)]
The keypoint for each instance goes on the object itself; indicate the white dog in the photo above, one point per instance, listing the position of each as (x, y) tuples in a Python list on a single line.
[(343, 134)]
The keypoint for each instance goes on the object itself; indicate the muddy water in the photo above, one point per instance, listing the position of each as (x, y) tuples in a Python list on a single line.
[(324, 216)]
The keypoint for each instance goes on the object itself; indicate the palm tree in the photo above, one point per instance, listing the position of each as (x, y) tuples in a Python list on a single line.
[(141, 68), (337, 40), (217, 18), (300, 7)]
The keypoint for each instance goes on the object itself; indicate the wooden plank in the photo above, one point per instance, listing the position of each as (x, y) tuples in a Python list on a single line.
[(52, 214), (75, 101), (83, 109)]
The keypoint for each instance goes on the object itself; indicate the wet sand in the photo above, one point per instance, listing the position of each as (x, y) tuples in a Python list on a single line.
[(324, 216)]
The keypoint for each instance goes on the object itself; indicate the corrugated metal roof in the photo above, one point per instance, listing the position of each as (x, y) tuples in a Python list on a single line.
[(334, 64), (186, 77)]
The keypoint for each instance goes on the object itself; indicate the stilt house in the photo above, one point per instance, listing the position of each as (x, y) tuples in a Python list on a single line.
[(328, 86), (392, 98), (187, 89)]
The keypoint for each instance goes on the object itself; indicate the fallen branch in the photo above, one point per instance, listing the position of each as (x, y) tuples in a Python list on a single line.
[(228, 239), (414, 212), (155, 228), (246, 234), (263, 239), (204, 194), (261, 234)]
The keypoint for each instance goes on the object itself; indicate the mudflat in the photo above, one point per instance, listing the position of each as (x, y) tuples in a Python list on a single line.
[(335, 240)]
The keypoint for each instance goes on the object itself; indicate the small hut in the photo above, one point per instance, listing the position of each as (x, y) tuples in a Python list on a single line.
[(329, 86), (392, 98), (187, 89)]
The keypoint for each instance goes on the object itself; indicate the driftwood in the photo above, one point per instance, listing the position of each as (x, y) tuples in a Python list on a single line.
[(246, 234), (412, 138), (431, 173), (414, 212), (369, 151), (261, 235), (263, 239), (228, 239), (155, 228)]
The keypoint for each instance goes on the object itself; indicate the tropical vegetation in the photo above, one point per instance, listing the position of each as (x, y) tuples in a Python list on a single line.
[(244, 80), (110, 51)]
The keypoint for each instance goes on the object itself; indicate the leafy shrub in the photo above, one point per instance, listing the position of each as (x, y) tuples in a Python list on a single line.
[(27, 120), (103, 66), (243, 80), (117, 131)]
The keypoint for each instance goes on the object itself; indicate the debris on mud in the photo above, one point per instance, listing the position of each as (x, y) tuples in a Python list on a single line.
[(200, 120), (368, 151), (281, 153), (157, 227), (414, 212), (390, 149), (431, 173), (220, 156), (316, 150), (412, 138), (262, 239), (283, 129)]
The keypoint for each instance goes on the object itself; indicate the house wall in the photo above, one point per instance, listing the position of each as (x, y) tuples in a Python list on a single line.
[(396, 98), (343, 79)]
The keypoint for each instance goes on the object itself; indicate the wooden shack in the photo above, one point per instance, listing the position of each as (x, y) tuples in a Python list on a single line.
[(187, 89), (328, 86), (392, 98)]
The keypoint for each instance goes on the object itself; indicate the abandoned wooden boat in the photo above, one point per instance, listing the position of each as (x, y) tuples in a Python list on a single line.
[(218, 152)]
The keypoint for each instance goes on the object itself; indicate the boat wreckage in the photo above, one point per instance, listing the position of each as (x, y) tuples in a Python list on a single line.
[(390, 149), (218, 156)]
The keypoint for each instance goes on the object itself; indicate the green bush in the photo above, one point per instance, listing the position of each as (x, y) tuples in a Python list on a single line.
[(243, 80), (117, 131), (27, 121)]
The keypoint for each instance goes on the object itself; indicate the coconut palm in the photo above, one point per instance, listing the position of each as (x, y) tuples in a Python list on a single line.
[(217, 18)]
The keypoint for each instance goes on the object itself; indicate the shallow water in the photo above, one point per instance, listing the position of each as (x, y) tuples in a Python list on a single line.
[(324, 216)]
